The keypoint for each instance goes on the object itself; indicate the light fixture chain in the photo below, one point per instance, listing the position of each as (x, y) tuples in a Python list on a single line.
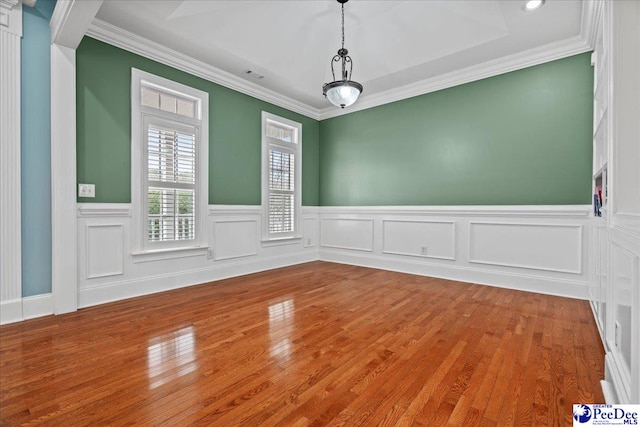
[(343, 25)]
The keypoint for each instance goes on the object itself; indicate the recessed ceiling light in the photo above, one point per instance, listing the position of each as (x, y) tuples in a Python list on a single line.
[(532, 5)]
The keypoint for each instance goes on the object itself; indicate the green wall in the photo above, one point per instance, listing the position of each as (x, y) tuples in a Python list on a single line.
[(103, 85), (521, 138)]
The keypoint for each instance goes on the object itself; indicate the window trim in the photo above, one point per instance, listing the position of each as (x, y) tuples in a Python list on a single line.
[(140, 115), (297, 231)]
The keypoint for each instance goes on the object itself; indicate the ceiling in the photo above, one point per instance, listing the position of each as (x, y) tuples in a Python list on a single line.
[(393, 43)]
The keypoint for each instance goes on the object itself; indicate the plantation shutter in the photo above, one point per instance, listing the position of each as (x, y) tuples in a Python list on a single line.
[(282, 143), (171, 182)]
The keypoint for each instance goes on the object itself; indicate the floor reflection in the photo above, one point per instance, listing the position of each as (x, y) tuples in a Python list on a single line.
[(171, 356), (281, 325)]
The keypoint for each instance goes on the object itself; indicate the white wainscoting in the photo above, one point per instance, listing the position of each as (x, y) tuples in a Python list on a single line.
[(550, 247), (105, 250), (234, 238), (622, 325), (347, 233), (429, 239), (107, 271), (531, 248)]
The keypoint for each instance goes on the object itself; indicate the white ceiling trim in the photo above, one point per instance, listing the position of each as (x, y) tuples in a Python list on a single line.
[(126, 40), (591, 10), (517, 61), (70, 20)]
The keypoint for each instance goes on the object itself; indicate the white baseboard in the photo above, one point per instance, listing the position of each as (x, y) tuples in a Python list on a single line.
[(26, 308), (11, 311), (608, 392), (616, 382), (523, 282), (37, 306), (105, 293)]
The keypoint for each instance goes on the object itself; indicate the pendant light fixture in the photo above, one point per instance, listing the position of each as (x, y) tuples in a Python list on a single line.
[(344, 92)]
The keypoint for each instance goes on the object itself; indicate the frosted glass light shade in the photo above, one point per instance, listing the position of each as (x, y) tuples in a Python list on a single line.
[(342, 93)]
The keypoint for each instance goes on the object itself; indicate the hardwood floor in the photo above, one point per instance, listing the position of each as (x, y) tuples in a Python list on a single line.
[(313, 344)]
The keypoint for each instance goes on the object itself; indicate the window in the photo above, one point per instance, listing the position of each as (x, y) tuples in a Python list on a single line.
[(169, 163), (281, 177)]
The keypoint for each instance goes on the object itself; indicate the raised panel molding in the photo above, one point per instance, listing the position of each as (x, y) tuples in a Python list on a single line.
[(104, 250), (347, 233), (623, 357), (310, 231), (235, 238), (628, 223), (548, 247), (409, 237), (558, 271)]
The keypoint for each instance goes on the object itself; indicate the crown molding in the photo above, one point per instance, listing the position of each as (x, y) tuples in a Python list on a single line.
[(11, 17), (539, 55), (581, 43), (70, 21), (591, 10), (126, 40)]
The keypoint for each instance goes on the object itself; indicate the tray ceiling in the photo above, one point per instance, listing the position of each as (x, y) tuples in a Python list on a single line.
[(393, 43)]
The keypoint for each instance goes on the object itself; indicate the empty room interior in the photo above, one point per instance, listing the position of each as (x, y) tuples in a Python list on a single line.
[(318, 212)]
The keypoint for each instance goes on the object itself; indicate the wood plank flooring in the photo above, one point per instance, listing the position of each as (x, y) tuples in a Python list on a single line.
[(314, 344)]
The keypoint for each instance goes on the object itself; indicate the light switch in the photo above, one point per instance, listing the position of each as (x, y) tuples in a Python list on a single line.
[(86, 190)]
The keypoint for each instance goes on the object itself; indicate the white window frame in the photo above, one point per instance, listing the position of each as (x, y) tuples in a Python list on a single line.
[(296, 147), (141, 116)]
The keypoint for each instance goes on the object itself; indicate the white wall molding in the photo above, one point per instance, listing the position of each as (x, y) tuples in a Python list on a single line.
[(546, 256), (235, 238), (11, 311), (510, 280), (582, 211), (534, 241), (11, 17), (26, 308), (103, 209), (10, 180), (235, 210), (591, 10), (102, 239), (408, 237), (249, 256), (108, 292), (628, 223), (347, 233), (233, 248), (126, 40), (37, 306), (70, 21)]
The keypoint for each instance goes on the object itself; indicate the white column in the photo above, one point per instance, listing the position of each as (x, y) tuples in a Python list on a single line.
[(63, 179), (68, 24), (10, 204)]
